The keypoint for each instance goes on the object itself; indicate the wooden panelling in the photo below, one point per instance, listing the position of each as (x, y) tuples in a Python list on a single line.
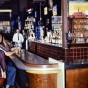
[(32, 47), (50, 51), (45, 51), (77, 78), (77, 53), (42, 80)]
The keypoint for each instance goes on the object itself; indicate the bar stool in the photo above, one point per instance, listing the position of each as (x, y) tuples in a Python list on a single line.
[(2, 80)]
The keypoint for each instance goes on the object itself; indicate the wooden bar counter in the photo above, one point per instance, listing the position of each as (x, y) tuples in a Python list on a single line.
[(77, 74), (57, 52), (42, 73), (50, 73), (46, 50), (75, 59)]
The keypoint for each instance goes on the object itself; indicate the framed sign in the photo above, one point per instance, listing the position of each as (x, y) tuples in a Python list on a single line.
[(78, 6)]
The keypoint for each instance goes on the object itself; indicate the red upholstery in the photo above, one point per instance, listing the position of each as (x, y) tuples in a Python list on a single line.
[(2, 82)]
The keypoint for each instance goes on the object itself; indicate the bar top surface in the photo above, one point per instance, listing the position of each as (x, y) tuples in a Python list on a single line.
[(29, 61)]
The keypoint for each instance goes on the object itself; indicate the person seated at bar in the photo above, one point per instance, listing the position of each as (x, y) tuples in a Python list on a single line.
[(11, 70), (18, 39)]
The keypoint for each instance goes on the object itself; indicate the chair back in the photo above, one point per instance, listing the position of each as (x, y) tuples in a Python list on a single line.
[(2, 80)]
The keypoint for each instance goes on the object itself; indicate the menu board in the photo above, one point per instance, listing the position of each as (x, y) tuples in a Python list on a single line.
[(56, 22), (56, 19)]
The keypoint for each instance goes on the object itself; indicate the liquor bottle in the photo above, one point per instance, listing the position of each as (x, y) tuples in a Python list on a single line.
[(53, 38)]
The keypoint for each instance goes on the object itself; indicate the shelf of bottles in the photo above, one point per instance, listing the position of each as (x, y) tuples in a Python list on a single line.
[(29, 23), (80, 30), (57, 29), (57, 36)]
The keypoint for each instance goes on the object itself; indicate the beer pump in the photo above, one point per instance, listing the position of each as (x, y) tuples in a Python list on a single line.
[(69, 39)]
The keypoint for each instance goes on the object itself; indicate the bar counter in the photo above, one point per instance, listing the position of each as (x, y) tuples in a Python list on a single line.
[(58, 52), (76, 73), (42, 73), (75, 59), (33, 61), (46, 50)]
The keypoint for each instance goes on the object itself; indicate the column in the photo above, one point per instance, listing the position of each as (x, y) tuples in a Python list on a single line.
[(64, 11)]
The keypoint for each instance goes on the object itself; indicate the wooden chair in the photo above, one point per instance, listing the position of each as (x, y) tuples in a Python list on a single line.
[(2, 80)]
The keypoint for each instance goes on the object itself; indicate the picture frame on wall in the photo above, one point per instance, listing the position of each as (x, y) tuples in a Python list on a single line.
[(77, 6)]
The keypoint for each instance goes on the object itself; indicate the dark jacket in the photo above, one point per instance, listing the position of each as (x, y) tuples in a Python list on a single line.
[(2, 57), (2, 62)]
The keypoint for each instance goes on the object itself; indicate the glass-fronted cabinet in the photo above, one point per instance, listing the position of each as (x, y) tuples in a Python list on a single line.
[(5, 20), (80, 30)]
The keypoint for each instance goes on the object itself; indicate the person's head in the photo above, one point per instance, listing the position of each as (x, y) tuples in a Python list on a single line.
[(17, 31)]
